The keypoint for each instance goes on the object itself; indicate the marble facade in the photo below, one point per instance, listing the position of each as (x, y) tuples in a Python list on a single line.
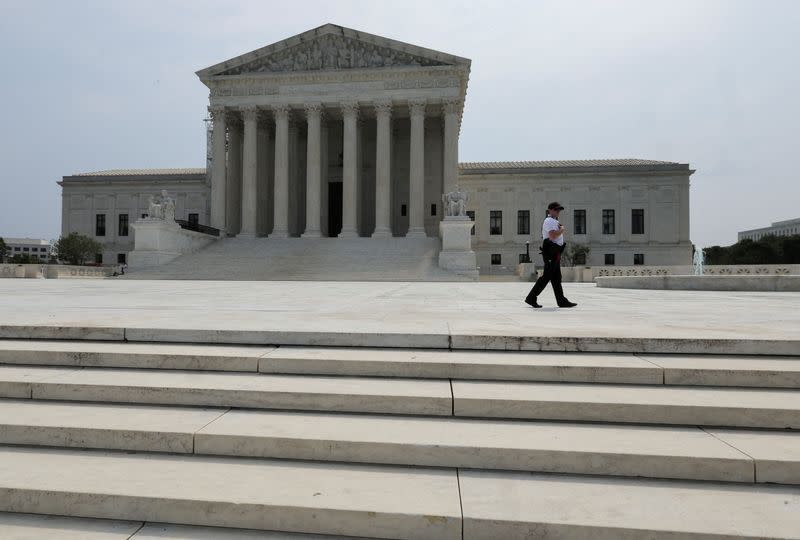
[(334, 132)]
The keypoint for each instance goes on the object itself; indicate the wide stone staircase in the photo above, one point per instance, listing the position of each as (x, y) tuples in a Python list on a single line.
[(139, 440), (327, 259)]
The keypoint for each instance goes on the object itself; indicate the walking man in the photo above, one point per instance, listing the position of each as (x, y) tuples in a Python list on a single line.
[(552, 246)]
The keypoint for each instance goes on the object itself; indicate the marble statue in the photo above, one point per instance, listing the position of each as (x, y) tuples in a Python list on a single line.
[(699, 262), (153, 209), (167, 207), (455, 203)]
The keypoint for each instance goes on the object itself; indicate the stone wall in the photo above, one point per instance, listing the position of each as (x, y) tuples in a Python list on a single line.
[(55, 271), (590, 273)]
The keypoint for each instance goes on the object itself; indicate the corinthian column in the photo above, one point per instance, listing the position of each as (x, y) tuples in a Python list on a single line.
[(233, 195), (313, 172), (416, 198), (249, 171), (450, 110), (281, 199), (218, 169), (383, 111), (350, 171)]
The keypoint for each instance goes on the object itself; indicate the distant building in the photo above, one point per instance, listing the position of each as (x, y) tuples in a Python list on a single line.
[(34, 247), (778, 228)]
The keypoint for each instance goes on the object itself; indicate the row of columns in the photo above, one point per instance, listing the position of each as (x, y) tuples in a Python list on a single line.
[(226, 191)]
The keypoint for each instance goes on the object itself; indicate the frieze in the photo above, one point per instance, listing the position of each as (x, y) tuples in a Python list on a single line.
[(411, 84), (332, 52)]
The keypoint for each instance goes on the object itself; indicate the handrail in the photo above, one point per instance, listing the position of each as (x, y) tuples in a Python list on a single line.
[(189, 226)]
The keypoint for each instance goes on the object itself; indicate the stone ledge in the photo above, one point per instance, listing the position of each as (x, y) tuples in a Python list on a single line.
[(786, 283)]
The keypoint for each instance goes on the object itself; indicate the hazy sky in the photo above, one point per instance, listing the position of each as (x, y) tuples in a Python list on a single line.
[(89, 85)]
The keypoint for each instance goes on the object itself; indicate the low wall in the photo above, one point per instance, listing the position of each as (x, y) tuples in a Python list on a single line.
[(158, 242), (588, 274), (762, 283), (55, 271), (59, 271)]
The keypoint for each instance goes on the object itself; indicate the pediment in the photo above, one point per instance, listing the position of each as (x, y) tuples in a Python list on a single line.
[(331, 48)]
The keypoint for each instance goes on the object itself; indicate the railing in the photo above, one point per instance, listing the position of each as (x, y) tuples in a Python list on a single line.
[(189, 226)]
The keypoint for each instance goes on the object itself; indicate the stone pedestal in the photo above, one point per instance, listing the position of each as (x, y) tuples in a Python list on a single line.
[(456, 255), (525, 271), (157, 241)]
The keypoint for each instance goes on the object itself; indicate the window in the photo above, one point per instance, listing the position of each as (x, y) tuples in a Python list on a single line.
[(523, 258), (608, 222), (35, 249), (121, 258), (638, 258), (579, 259), (98, 258), (579, 227), (523, 222), (609, 259), (100, 225), (194, 219), (25, 249), (403, 210), (433, 209), (496, 258), (123, 225), (144, 216), (637, 221), (16, 249), (471, 215), (495, 222)]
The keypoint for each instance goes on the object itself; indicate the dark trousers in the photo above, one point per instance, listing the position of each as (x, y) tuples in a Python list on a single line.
[(552, 275)]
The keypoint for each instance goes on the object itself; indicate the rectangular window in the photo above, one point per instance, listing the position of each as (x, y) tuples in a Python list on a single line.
[(144, 216), (471, 215), (580, 222), (194, 219), (637, 221), (579, 259), (638, 258), (433, 209), (403, 210), (523, 258), (495, 222), (609, 258), (25, 249), (35, 249), (523, 222), (16, 249), (496, 259), (121, 258), (608, 222), (100, 225), (98, 258), (123, 225)]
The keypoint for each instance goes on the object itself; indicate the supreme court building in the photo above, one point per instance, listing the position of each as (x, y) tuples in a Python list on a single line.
[(340, 133)]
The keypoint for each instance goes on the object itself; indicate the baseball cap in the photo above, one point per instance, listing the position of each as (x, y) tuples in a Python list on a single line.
[(554, 206)]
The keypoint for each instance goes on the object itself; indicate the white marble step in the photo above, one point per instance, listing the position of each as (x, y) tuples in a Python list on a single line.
[(727, 370), (132, 355), (252, 390), (443, 364), (15, 526), (618, 450), (347, 500), (701, 406), (522, 506), (621, 368)]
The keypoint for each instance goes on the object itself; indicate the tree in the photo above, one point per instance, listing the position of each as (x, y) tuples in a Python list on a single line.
[(3, 249), (576, 254), (76, 248)]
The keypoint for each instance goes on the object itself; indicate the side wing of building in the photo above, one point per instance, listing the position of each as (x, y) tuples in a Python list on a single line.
[(627, 211), (103, 205)]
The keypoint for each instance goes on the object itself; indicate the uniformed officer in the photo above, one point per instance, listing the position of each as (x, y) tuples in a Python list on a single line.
[(552, 246)]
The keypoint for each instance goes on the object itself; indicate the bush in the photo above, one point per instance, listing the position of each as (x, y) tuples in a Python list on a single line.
[(76, 249), (768, 250)]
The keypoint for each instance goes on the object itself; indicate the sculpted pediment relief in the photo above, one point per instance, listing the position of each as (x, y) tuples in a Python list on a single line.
[(332, 52)]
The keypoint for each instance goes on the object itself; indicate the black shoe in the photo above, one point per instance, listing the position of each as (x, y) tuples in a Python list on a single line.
[(532, 303), (567, 304)]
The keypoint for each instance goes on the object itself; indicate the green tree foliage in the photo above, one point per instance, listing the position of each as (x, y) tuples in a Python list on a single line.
[(575, 254), (768, 250), (76, 249), (3, 250)]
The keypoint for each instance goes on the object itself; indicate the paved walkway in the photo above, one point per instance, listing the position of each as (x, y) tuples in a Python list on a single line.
[(434, 309)]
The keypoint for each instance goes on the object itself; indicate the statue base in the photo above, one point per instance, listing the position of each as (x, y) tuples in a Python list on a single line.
[(457, 255), (157, 242)]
